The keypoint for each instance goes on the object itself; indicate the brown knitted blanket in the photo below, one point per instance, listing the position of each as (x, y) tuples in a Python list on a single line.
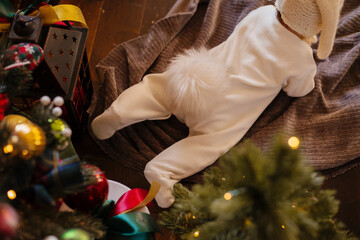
[(327, 120)]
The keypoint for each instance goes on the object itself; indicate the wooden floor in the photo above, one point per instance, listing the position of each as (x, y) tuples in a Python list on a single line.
[(114, 21)]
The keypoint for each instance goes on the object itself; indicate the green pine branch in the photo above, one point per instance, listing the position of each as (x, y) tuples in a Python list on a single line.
[(254, 196), (38, 223)]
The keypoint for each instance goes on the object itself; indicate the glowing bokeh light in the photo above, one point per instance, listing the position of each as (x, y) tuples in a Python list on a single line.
[(294, 142), (11, 194), (227, 196)]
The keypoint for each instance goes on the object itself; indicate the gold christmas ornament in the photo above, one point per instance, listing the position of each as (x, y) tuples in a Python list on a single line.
[(27, 139)]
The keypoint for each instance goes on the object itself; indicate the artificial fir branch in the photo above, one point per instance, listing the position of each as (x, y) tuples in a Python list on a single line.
[(253, 196), (15, 81), (53, 222), (40, 115)]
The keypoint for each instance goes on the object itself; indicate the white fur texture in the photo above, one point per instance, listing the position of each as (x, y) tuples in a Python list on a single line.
[(196, 80)]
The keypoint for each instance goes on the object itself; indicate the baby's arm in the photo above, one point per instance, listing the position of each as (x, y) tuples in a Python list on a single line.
[(143, 101), (187, 157), (303, 83)]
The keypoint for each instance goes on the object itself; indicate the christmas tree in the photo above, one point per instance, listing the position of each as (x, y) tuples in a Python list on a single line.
[(46, 191), (38, 166), (255, 196)]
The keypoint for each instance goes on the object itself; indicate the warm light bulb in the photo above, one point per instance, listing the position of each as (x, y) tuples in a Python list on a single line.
[(8, 148), (294, 142), (248, 222), (11, 194), (227, 196), (25, 152), (196, 234), (282, 226)]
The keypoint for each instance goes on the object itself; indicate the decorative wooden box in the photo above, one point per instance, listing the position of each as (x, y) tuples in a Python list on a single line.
[(64, 72)]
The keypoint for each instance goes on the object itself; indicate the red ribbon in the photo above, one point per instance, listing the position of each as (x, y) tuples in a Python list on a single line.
[(128, 201), (4, 20), (135, 199)]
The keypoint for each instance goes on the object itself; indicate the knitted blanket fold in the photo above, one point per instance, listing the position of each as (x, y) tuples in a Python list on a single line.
[(327, 120)]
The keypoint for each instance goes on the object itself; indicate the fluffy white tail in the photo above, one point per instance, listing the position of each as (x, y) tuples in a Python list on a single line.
[(196, 80)]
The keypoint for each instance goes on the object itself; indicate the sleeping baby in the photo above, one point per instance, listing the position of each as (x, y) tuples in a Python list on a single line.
[(220, 92)]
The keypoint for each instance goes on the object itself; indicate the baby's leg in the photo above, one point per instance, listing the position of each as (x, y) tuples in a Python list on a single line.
[(143, 101), (185, 158)]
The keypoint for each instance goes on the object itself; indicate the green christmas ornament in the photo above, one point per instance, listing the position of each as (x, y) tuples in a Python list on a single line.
[(76, 234), (61, 132), (58, 125)]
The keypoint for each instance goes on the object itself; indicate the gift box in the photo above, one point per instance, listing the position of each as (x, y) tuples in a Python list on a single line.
[(64, 72), (62, 33)]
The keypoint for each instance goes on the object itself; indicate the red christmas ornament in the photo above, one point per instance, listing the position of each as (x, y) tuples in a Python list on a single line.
[(93, 196), (4, 103), (29, 53), (9, 221)]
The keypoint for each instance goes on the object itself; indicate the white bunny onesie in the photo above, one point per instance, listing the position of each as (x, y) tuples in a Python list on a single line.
[(246, 73)]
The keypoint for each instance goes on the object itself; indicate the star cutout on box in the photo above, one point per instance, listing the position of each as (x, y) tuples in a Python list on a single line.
[(62, 48), (61, 52), (50, 54)]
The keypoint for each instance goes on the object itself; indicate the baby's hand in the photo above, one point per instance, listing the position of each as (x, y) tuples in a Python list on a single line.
[(102, 126), (164, 197)]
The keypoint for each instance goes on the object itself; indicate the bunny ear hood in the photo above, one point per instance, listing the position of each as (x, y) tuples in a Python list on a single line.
[(330, 13), (309, 17)]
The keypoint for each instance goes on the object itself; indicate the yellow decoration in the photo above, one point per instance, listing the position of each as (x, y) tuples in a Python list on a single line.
[(11, 194), (196, 233), (282, 226), (294, 142), (30, 139), (52, 14), (4, 27), (63, 12)]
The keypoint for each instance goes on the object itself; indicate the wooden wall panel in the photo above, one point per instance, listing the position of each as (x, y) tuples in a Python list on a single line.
[(121, 21), (91, 10)]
